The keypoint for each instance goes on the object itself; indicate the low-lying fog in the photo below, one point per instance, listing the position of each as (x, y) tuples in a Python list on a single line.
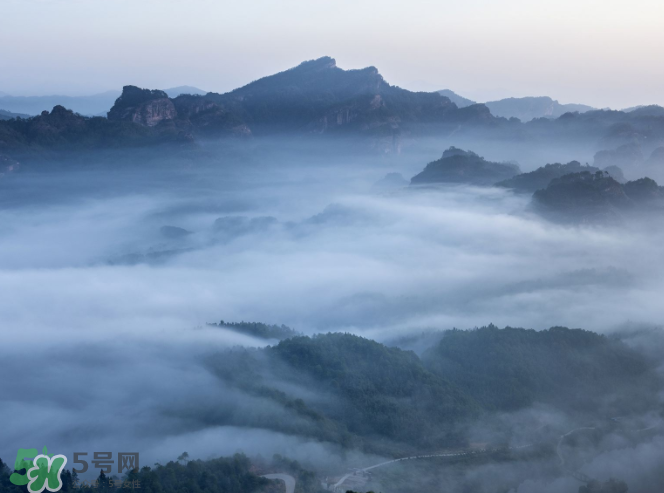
[(104, 311)]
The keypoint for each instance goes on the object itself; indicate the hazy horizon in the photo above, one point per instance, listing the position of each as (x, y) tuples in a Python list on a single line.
[(600, 54)]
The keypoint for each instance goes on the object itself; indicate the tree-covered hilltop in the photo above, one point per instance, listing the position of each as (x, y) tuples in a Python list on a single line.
[(258, 329), (597, 197), (458, 166), (542, 176), (573, 369), (358, 393), (347, 390), (385, 392)]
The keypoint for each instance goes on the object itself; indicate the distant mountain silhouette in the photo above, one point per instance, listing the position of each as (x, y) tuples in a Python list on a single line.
[(95, 104), (174, 92), (8, 115), (653, 110), (390, 181), (627, 156), (460, 101), (526, 109), (654, 165)]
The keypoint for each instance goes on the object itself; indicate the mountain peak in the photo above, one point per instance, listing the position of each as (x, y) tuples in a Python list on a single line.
[(320, 79), (174, 92), (321, 63), (529, 108), (146, 107), (132, 95), (460, 101)]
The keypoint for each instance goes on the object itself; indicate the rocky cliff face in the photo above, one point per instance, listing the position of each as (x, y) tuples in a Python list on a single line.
[(143, 106), (209, 117), (154, 112)]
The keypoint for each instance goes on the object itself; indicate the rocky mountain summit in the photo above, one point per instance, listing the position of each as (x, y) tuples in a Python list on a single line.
[(143, 106)]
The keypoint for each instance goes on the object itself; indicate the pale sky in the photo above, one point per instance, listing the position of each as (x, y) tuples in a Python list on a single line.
[(602, 53)]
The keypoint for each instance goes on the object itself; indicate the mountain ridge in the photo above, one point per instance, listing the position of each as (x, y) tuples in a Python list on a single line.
[(319, 98), (529, 108)]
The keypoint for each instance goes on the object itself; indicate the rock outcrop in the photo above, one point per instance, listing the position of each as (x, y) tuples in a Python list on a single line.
[(143, 106)]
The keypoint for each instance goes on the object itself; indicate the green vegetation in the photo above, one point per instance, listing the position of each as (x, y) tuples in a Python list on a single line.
[(64, 130), (260, 330), (644, 191), (509, 369), (541, 177), (224, 475), (358, 393), (378, 387), (351, 391), (591, 197)]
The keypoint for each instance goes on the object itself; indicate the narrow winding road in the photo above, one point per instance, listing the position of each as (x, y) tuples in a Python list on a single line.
[(289, 480), (336, 486)]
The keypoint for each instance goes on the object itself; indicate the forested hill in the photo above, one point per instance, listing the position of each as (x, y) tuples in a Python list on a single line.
[(459, 166), (379, 386), (348, 390), (511, 368), (598, 197), (357, 392), (260, 330)]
